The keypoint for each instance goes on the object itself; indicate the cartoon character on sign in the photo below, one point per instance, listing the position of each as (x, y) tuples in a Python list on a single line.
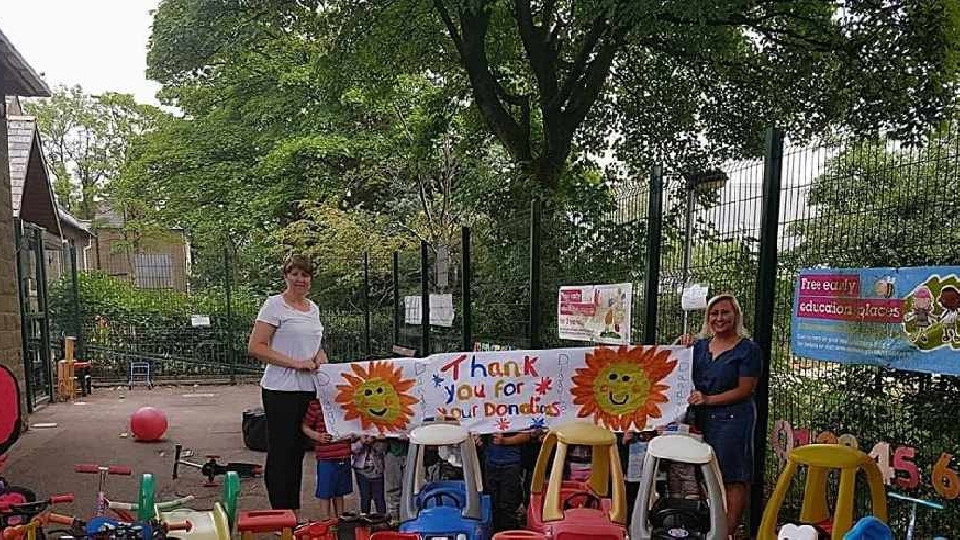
[(885, 287), (377, 397), (622, 387), (950, 302), (920, 312)]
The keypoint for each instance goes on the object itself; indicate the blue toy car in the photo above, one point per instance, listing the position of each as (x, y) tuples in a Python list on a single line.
[(444, 509)]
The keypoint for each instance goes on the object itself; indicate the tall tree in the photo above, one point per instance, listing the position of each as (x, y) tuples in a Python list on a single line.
[(87, 139), (681, 80), (690, 80)]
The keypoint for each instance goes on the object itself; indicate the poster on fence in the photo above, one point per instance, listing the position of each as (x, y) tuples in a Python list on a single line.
[(623, 388), (595, 313), (902, 318)]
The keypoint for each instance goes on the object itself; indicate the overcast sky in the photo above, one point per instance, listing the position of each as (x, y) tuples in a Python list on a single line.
[(99, 44)]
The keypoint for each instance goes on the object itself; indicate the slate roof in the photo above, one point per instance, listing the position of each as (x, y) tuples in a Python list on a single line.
[(17, 78), (30, 189)]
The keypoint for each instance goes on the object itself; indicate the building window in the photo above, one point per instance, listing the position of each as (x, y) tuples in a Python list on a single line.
[(154, 270)]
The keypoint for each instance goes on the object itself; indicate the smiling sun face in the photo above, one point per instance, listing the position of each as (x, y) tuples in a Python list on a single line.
[(620, 388), (377, 397)]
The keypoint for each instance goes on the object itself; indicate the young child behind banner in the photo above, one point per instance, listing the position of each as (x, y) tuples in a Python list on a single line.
[(334, 480), (503, 466), (368, 465)]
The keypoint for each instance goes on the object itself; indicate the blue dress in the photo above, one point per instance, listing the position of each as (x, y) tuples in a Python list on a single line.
[(728, 429)]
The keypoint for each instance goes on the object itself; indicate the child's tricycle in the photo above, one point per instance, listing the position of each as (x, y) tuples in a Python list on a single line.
[(214, 524), (450, 509), (820, 460), (571, 509), (702, 518)]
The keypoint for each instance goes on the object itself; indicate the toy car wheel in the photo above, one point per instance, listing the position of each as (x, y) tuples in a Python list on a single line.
[(145, 499), (231, 496)]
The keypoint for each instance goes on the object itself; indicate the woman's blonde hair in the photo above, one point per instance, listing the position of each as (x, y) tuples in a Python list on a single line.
[(737, 314)]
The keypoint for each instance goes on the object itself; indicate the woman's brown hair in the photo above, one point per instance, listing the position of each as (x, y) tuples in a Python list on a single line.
[(298, 262)]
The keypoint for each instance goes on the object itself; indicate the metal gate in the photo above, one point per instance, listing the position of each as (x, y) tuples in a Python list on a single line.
[(35, 323)]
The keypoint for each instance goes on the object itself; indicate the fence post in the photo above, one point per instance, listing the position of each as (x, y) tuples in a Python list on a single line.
[(366, 305), (424, 298), (466, 286), (396, 299), (535, 274), (766, 293), (654, 239), (78, 321), (228, 289)]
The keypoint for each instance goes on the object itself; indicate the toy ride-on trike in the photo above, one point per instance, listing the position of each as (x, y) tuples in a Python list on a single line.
[(215, 524), (816, 521), (595, 509), (657, 517), (445, 509), (211, 469), (25, 520)]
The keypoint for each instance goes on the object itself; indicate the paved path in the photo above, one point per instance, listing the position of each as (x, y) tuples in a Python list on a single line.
[(205, 419)]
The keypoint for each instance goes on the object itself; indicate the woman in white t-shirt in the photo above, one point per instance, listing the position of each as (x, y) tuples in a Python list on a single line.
[(287, 337)]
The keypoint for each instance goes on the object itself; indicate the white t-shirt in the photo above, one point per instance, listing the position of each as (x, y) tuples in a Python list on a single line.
[(298, 336)]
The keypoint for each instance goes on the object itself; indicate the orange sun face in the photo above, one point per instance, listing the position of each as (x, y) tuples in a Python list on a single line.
[(377, 397), (620, 388)]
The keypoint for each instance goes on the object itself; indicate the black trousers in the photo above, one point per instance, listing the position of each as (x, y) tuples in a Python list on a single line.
[(286, 444), (503, 484)]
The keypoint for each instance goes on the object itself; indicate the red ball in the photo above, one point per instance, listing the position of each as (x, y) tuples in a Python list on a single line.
[(148, 424)]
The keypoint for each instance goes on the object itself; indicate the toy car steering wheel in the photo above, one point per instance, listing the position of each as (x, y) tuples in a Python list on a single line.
[(439, 495), (589, 500), (677, 518)]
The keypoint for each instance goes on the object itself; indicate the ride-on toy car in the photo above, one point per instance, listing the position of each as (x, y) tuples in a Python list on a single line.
[(820, 459), (445, 509), (569, 510), (669, 517)]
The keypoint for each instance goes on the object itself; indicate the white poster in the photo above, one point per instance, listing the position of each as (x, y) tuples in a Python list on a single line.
[(595, 313), (441, 310), (623, 388)]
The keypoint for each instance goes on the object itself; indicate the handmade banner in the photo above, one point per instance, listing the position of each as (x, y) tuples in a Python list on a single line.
[(902, 318), (597, 313), (623, 388)]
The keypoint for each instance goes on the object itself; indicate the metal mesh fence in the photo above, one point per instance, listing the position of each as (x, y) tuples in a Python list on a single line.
[(842, 204)]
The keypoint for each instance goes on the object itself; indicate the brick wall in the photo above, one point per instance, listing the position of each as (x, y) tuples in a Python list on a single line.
[(10, 345)]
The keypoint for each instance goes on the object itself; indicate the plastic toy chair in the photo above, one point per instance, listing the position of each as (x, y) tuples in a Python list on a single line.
[(820, 459)]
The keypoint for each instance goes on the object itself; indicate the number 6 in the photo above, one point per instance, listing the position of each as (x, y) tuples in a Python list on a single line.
[(945, 479)]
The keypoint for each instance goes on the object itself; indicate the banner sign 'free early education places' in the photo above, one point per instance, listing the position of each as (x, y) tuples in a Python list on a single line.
[(902, 318)]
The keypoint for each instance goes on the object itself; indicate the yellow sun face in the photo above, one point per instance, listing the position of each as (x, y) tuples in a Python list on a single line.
[(622, 388), (377, 397)]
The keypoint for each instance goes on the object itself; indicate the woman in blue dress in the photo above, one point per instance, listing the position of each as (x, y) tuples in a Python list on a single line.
[(726, 365)]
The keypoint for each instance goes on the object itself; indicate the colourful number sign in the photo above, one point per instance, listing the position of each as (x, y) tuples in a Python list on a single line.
[(897, 465)]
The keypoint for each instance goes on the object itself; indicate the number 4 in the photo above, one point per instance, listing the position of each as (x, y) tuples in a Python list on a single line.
[(881, 454)]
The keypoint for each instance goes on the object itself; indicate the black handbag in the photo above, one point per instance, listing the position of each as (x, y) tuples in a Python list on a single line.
[(254, 429)]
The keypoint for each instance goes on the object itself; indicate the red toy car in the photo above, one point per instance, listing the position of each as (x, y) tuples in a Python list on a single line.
[(569, 510)]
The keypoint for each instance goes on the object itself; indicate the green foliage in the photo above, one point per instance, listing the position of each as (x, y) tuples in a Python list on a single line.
[(113, 300), (87, 140)]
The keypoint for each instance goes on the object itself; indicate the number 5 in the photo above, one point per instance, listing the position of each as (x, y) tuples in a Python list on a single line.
[(903, 461)]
